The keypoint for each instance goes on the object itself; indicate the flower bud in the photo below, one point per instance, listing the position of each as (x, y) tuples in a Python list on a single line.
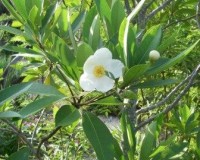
[(154, 55)]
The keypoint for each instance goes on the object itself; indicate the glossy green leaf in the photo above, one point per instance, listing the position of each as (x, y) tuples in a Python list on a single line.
[(108, 101), (94, 35), (12, 30), (31, 87), (155, 83), (42, 89), (99, 136), (148, 141), (83, 52), (134, 73), (66, 115), (117, 15), (22, 154), (171, 62), (48, 16), (128, 136), (21, 8), (38, 105), (103, 8), (13, 91), (9, 114), (18, 49)]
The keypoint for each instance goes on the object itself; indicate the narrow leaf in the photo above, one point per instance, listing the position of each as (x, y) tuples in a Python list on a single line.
[(99, 136)]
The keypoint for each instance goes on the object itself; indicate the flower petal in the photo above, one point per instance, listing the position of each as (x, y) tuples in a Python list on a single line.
[(86, 83), (115, 67), (104, 84), (103, 53)]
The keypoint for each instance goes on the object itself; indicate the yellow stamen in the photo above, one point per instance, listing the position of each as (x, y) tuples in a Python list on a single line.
[(99, 71)]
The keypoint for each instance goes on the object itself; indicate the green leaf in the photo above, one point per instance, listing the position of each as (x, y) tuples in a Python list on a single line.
[(83, 52), (22, 154), (117, 15), (66, 115), (12, 30), (42, 89), (118, 154), (103, 8), (156, 83), (108, 101), (171, 62), (37, 105), (31, 87), (148, 141), (9, 114), (13, 91), (134, 73), (21, 8), (99, 136), (48, 16), (94, 35), (128, 135), (18, 49)]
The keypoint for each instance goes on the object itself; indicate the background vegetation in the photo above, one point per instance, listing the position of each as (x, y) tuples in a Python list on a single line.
[(44, 114)]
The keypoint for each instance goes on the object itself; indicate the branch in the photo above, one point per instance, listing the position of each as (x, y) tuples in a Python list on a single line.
[(21, 136), (146, 109), (46, 139), (198, 14), (181, 20), (175, 102), (155, 11)]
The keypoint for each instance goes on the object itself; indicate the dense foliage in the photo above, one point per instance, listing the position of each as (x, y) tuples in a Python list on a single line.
[(64, 63)]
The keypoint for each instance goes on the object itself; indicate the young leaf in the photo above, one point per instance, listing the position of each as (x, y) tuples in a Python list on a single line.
[(99, 136), (103, 8), (66, 115)]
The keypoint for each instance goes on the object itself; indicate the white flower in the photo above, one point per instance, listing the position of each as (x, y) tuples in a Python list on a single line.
[(154, 55), (96, 70)]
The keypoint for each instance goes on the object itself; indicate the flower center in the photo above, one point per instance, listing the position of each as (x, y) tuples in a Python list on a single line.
[(99, 71)]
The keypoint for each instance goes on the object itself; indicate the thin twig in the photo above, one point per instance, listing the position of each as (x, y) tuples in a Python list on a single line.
[(155, 11), (175, 102), (198, 14), (67, 82), (45, 139), (36, 126), (21, 136), (146, 109)]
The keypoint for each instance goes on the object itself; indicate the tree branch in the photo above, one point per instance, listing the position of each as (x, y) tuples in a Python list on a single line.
[(21, 136), (198, 14), (46, 139), (175, 102), (155, 11), (146, 109)]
